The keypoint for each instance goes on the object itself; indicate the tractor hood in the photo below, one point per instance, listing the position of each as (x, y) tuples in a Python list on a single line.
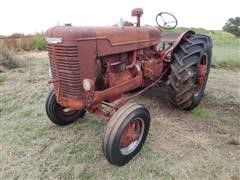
[(114, 35)]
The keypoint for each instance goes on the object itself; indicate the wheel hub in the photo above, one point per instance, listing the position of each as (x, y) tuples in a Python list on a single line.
[(65, 111), (131, 136), (201, 75)]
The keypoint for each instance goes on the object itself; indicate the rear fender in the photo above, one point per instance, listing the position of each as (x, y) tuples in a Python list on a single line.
[(175, 38)]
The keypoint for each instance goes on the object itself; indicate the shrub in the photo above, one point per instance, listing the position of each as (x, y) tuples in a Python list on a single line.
[(39, 43), (9, 59)]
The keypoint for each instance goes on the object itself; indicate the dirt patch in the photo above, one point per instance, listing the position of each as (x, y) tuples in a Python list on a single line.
[(187, 145), (224, 85)]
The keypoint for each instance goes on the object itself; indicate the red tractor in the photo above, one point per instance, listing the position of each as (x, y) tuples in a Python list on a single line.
[(99, 69)]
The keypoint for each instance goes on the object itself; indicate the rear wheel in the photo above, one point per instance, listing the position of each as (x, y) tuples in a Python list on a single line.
[(126, 133), (189, 71), (61, 115)]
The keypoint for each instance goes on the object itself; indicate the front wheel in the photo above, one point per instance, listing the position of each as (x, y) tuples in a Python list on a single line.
[(126, 133), (61, 115)]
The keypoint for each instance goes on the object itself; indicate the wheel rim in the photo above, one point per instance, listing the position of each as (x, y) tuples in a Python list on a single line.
[(131, 136), (64, 111), (202, 71)]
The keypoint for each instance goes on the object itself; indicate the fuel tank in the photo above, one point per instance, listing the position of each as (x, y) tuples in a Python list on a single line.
[(108, 40)]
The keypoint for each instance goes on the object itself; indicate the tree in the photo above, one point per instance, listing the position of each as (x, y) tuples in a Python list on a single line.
[(233, 26)]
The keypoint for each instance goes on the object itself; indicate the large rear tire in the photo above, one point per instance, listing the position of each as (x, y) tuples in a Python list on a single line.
[(61, 115), (189, 71)]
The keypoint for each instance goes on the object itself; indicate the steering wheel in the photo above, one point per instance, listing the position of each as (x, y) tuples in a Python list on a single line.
[(166, 20)]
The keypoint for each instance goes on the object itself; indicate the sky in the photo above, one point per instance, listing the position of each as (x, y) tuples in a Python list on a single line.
[(31, 16)]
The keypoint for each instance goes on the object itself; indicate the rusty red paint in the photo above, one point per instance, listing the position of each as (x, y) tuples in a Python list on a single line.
[(152, 68), (115, 59), (74, 59), (130, 134), (134, 60), (175, 39), (118, 89), (125, 100), (138, 12), (98, 112), (114, 79), (98, 69), (201, 77)]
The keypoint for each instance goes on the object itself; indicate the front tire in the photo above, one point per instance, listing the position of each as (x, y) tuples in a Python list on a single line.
[(189, 71), (126, 133), (61, 115)]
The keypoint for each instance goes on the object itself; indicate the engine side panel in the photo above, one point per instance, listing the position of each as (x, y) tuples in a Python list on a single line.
[(118, 40)]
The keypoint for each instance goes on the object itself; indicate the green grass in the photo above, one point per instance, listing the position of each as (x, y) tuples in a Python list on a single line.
[(2, 80), (226, 57), (202, 113), (220, 38), (8, 99), (22, 126), (35, 148), (226, 47), (26, 113)]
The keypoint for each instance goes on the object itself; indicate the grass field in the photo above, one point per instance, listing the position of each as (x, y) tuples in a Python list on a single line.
[(226, 50), (226, 47), (200, 144), (226, 57)]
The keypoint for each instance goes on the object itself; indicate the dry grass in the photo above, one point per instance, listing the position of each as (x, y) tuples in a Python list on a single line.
[(2, 79), (179, 146), (9, 59)]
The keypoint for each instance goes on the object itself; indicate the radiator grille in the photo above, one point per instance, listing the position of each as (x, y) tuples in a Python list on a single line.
[(65, 67)]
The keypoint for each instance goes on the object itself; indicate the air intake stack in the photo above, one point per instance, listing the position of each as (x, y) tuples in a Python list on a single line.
[(138, 12)]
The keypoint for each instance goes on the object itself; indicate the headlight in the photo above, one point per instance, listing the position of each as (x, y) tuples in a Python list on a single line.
[(86, 84), (50, 72)]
